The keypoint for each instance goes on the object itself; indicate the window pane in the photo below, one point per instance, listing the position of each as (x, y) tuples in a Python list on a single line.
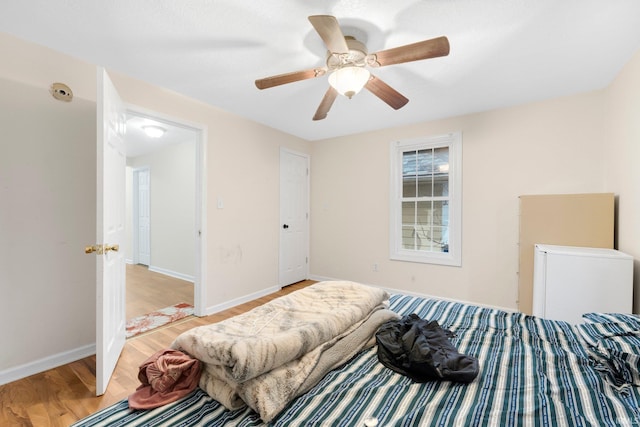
[(409, 186), (409, 165), (408, 237), (441, 172), (425, 186), (440, 222), (425, 173), (441, 185), (441, 159), (408, 225), (423, 226)]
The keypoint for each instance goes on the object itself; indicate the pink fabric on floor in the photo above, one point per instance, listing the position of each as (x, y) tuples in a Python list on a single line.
[(166, 376)]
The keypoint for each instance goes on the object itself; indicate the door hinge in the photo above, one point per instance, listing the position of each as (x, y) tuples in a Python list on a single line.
[(306, 260)]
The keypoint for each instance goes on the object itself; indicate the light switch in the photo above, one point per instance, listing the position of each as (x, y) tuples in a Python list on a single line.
[(220, 203)]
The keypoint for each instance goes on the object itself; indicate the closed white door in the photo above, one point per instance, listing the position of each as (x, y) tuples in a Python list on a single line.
[(142, 180), (110, 233), (294, 217)]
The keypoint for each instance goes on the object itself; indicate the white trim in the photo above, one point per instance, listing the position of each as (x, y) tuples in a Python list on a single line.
[(321, 278), (421, 295), (452, 140), (200, 277), (200, 288), (46, 363), (237, 301), (171, 273)]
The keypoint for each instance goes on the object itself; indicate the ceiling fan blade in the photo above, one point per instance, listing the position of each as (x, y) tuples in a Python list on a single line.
[(326, 103), (295, 76), (329, 30), (425, 49), (385, 92)]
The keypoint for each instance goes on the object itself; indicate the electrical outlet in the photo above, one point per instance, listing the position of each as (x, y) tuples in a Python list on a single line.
[(375, 267)]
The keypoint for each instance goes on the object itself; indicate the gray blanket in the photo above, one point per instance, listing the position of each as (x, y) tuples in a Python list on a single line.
[(266, 357)]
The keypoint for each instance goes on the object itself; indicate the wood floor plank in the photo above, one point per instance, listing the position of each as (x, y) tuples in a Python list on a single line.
[(149, 291), (61, 396)]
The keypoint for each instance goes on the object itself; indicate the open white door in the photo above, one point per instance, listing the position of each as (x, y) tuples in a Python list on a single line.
[(110, 235), (294, 217)]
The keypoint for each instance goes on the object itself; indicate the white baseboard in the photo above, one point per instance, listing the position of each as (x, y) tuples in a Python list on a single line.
[(421, 295), (175, 274), (229, 304), (321, 278), (44, 364)]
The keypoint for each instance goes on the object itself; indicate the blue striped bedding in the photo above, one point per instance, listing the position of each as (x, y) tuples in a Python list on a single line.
[(533, 372), (614, 342)]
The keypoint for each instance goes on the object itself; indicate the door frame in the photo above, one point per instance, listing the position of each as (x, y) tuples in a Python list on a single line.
[(200, 237), (307, 157)]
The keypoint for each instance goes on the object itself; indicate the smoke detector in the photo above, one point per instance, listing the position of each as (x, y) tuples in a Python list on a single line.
[(61, 92)]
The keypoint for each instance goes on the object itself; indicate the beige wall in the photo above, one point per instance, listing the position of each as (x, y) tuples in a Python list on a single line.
[(172, 208), (52, 307), (622, 160), (47, 216), (548, 147)]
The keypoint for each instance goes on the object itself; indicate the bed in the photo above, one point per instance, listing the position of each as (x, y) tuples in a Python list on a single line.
[(532, 372)]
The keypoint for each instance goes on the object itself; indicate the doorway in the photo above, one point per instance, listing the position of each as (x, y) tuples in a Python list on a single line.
[(164, 220)]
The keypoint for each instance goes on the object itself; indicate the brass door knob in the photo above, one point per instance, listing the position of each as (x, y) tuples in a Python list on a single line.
[(93, 248), (101, 249)]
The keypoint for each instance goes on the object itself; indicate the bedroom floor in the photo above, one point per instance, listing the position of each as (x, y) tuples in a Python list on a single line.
[(63, 395), (148, 291)]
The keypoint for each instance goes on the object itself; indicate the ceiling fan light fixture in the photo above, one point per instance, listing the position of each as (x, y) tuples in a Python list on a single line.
[(348, 81), (154, 131)]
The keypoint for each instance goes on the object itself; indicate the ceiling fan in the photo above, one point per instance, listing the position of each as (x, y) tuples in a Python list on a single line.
[(347, 62)]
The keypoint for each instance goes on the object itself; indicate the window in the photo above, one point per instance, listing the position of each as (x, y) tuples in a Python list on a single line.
[(426, 198)]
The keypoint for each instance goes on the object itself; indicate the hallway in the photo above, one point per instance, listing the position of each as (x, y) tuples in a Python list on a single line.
[(149, 291)]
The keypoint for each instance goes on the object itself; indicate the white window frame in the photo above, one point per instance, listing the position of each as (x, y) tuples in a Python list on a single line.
[(454, 256)]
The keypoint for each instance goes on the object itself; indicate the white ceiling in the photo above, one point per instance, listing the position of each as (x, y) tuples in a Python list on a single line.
[(503, 52), (138, 143)]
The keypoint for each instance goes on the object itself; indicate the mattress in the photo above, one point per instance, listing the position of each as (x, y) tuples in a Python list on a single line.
[(533, 372)]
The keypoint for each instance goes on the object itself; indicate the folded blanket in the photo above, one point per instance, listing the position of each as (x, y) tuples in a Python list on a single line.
[(268, 394), (277, 351), (281, 330)]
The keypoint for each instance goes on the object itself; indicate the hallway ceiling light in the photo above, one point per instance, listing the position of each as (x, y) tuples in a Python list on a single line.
[(154, 131)]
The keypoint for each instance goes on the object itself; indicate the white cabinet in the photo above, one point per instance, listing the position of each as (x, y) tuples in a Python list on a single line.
[(569, 281)]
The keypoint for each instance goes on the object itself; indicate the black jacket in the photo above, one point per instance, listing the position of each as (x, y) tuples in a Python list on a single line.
[(421, 350)]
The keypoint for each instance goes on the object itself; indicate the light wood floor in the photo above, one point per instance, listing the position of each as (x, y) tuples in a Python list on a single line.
[(61, 396), (148, 291)]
